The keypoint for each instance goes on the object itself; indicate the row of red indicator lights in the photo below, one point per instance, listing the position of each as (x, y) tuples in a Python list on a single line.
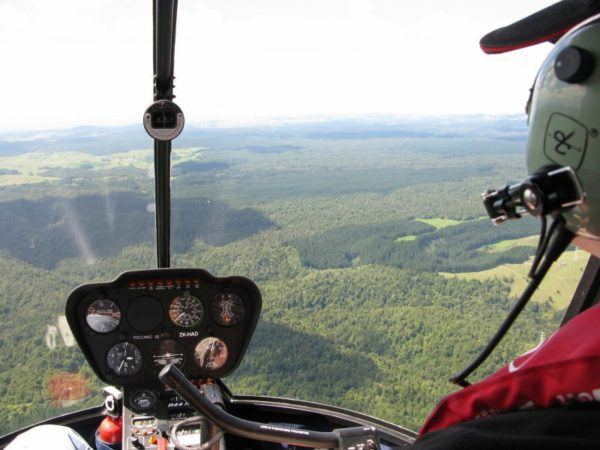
[(162, 283)]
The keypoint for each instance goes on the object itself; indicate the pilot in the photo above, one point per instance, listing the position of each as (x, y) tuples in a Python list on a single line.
[(548, 397)]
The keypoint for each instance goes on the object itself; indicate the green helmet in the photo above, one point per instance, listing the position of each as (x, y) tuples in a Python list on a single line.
[(564, 124)]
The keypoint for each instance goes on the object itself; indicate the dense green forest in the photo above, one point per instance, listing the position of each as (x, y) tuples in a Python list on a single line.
[(416, 245), (347, 227), (46, 231)]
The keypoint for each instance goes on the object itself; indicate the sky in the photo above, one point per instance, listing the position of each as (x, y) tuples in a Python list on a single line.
[(69, 63)]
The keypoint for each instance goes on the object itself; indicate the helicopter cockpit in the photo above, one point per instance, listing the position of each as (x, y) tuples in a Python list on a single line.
[(326, 260), (162, 339)]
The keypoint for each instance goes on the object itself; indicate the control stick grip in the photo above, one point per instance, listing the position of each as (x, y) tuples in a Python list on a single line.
[(176, 380)]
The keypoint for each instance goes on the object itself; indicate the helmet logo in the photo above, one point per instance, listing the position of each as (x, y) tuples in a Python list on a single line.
[(565, 141)]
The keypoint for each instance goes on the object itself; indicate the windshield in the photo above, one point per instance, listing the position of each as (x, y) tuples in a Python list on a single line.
[(334, 153)]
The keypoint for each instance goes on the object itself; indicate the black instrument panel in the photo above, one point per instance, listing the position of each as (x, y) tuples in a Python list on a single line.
[(130, 328)]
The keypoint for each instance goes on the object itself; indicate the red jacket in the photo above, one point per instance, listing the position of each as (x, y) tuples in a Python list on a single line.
[(564, 368)]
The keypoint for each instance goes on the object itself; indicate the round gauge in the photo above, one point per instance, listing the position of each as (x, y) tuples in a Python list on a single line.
[(166, 352), (143, 400), (145, 313), (227, 309), (211, 353), (102, 315), (186, 311), (125, 359)]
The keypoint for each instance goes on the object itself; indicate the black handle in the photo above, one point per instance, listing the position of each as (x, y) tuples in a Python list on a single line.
[(176, 380)]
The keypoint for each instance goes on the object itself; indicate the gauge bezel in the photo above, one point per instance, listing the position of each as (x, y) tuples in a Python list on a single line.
[(139, 365), (214, 339), (177, 344), (153, 310), (137, 392), (187, 296), (101, 299), (219, 322)]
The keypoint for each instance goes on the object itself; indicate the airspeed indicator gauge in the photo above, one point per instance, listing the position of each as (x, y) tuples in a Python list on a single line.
[(186, 311), (102, 315)]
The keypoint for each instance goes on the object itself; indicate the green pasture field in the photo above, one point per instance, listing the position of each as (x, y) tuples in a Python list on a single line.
[(530, 241), (557, 288), (439, 222), (37, 167)]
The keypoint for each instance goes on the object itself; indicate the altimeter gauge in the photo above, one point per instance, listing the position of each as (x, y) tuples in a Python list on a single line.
[(186, 311), (125, 359), (211, 353), (227, 309), (102, 315)]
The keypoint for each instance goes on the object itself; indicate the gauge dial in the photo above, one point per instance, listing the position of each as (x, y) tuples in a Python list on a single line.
[(227, 309), (143, 400), (125, 359), (166, 352), (103, 315), (186, 311), (211, 353)]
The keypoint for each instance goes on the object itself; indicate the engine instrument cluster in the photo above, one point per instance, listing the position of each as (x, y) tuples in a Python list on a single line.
[(130, 328)]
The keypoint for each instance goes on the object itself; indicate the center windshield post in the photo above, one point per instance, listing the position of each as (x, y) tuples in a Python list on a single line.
[(163, 121), (162, 192)]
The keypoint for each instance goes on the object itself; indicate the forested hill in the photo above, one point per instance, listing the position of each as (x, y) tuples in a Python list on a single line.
[(380, 277), (46, 231), (416, 245)]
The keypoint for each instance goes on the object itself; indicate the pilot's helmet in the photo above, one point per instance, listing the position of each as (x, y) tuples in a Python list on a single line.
[(564, 135)]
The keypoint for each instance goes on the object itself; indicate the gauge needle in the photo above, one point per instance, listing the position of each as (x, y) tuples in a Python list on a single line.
[(124, 358)]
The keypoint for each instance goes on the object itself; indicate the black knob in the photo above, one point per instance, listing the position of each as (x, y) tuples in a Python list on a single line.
[(135, 441), (573, 65)]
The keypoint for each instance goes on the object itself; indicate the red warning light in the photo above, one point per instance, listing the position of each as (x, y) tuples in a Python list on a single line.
[(170, 282), (132, 284)]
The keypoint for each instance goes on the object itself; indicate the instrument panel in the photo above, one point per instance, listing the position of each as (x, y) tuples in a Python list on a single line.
[(132, 327)]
